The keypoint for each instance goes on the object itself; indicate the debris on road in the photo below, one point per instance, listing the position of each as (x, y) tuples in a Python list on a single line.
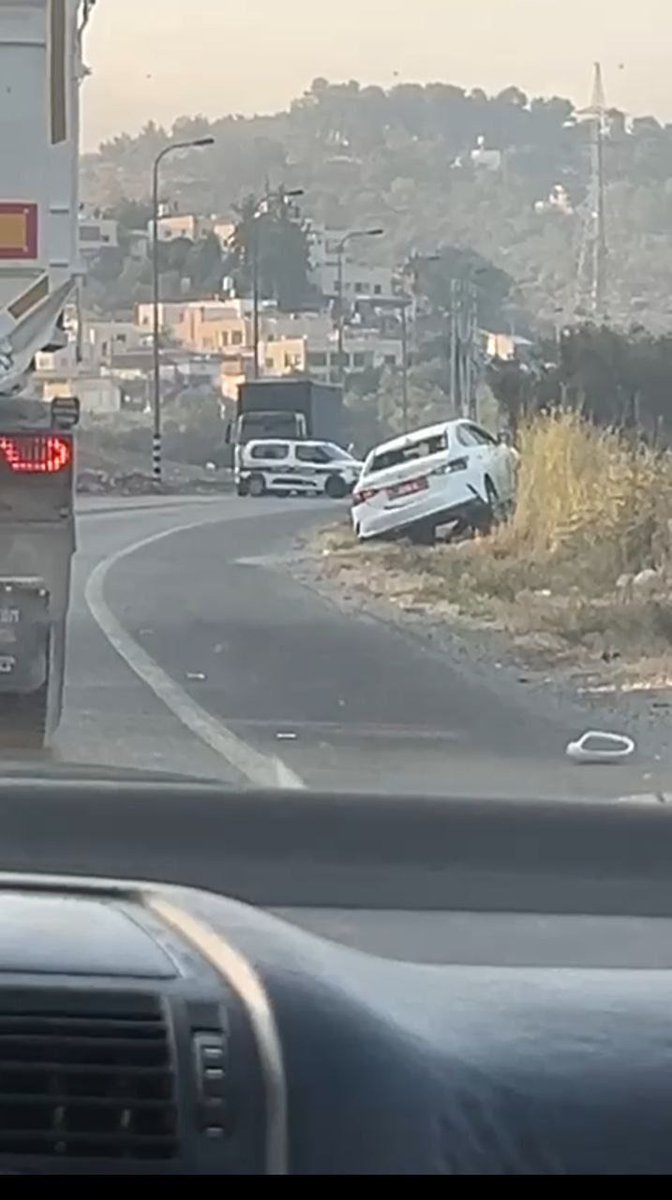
[(595, 746)]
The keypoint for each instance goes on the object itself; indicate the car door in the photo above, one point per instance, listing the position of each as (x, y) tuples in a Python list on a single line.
[(314, 464), (497, 461), (271, 459)]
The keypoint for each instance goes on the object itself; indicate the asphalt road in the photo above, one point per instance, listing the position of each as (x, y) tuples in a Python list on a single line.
[(193, 648)]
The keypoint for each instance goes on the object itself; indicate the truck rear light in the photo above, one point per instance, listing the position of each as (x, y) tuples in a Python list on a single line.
[(36, 454)]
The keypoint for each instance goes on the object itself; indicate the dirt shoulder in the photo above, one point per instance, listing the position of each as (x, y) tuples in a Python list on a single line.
[(526, 625)]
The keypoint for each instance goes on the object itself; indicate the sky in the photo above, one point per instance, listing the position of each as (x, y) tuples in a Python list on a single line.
[(159, 59)]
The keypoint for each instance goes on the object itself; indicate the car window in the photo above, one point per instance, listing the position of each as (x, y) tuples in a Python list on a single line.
[(482, 436), (412, 450), (270, 450), (466, 436), (312, 454)]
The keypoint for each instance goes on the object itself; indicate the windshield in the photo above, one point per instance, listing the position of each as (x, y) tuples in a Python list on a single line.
[(411, 254), (337, 452)]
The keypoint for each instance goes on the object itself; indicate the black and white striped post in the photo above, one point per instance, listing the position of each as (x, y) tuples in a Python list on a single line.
[(156, 457), (156, 330)]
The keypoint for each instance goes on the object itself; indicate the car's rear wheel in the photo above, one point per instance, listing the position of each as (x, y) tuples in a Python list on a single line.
[(336, 488), (423, 535), (256, 485), (491, 513)]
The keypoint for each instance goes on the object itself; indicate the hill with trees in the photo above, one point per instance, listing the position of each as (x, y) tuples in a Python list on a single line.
[(408, 158)]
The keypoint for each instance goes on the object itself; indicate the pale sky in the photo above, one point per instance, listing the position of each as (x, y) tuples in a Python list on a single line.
[(164, 58)]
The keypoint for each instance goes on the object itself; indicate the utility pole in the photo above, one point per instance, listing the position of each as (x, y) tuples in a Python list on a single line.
[(197, 143), (340, 311), (404, 366), (592, 285), (261, 204), (454, 349)]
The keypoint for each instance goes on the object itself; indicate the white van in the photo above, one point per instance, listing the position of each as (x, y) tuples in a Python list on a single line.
[(451, 473), (287, 467)]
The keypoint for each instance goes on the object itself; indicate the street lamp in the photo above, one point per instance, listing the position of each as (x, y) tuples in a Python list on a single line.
[(156, 439), (282, 195), (340, 251)]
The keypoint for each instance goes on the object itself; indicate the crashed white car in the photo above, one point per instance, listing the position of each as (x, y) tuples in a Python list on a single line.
[(452, 473)]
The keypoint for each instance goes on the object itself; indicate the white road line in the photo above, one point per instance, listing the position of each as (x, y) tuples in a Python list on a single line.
[(260, 769)]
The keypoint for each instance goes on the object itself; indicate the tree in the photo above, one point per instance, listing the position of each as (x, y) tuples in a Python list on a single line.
[(401, 157), (281, 242)]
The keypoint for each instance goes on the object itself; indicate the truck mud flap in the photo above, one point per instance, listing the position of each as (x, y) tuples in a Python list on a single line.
[(24, 638)]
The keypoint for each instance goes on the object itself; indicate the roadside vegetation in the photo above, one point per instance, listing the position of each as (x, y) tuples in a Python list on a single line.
[(582, 572)]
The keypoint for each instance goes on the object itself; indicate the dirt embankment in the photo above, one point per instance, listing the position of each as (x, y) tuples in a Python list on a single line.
[(578, 583)]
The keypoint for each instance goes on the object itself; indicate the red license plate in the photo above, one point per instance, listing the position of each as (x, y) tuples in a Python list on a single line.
[(408, 488)]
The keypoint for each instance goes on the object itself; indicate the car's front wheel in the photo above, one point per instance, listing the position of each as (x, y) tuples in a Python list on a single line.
[(256, 485), (336, 488), (492, 509)]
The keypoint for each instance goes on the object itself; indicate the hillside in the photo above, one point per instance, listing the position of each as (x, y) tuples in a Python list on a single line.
[(403, 158)]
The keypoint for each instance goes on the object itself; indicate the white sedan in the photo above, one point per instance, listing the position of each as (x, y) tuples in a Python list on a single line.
[(451, 473)]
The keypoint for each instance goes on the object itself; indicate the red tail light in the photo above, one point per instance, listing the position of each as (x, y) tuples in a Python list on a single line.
[(364, 494), (36, 454)]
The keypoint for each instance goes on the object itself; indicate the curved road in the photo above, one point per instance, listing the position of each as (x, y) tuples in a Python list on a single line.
[(193, 649)]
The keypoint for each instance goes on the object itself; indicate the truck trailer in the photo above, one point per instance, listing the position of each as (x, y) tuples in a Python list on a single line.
[(41, 70)]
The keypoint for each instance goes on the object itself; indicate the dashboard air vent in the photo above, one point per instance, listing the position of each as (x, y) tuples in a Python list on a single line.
[(86, 1075)]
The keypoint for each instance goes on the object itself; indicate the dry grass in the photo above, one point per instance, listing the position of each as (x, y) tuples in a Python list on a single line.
[(592, 512)]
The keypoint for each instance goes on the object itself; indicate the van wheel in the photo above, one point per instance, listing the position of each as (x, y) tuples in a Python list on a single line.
[(256, 485), (336, 487)]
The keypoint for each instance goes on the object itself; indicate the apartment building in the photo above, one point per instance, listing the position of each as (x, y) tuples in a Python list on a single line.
[(361, 281), (318, 357)]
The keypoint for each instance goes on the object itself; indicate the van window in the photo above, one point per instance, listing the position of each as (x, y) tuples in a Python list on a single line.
[(270, 450), (312, 454), (412, 450)]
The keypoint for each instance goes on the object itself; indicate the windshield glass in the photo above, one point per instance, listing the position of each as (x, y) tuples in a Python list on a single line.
[(336, 452), (367, 244)]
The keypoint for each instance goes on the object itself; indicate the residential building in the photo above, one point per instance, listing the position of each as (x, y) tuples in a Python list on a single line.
[(360, 280), (487, 159), (318, 357), (96, 233), (505, 346), (96, 394), (100, 341), (226, 326), (182, 225), (224, 230)]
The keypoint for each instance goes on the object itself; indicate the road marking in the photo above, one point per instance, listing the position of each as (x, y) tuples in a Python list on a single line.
[(261, 769)]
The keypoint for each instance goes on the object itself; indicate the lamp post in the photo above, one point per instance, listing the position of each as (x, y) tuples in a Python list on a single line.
[(340, 251), (281, 195), (156, 438)]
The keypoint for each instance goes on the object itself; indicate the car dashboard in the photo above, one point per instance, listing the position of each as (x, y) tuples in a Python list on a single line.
[(157, 1023)]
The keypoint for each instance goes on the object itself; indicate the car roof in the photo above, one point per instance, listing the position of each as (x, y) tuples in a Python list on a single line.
[(417, 435)]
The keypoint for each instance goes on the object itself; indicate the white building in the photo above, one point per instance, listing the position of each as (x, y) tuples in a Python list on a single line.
[(360, 280), (318, 357), (96, 233)]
